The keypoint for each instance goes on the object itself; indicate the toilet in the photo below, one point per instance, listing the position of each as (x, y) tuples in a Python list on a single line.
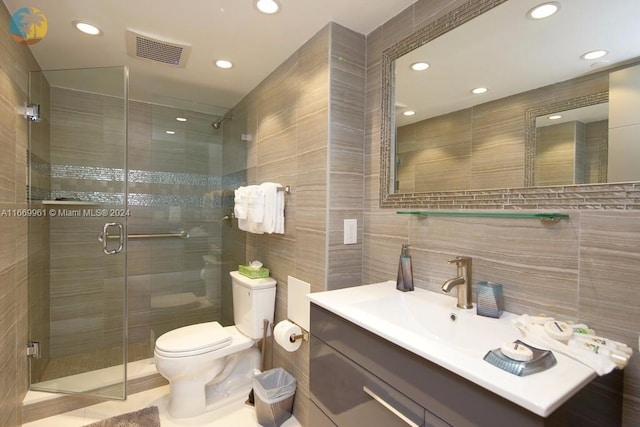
[(206, 362)]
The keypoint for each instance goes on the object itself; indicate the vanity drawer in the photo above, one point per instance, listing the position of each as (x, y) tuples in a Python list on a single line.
[(351, 396), (317, 418)]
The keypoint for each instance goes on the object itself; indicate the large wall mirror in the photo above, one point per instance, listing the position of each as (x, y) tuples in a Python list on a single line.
[(552, 126)]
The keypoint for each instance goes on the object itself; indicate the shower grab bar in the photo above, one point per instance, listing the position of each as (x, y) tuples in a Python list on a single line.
[(180, 235)]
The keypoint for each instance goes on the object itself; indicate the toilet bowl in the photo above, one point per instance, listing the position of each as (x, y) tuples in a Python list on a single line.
[(206, 362)]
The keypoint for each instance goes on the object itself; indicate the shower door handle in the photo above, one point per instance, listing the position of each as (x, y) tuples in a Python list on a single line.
[(105, 238)]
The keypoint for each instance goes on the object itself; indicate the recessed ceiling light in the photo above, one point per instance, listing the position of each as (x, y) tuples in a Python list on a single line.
[(170, 132), (86, 28), (409, 113), (594, 54), (544, 10), (181, 119), (267, 6), (555, 117), (419, 66), (222, 63), (479, 90)]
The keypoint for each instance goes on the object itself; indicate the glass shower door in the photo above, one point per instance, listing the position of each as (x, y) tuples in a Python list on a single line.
[(77, 243)]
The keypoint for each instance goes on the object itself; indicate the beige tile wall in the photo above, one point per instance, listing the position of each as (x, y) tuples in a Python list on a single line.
[(345, 184), (86, 286), (15, 62), (287, 116), (83, 305), (584, 269), (435, 154), (307, 123), (557, 154)]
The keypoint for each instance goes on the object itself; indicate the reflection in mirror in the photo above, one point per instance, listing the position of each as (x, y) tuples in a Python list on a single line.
[(571, 146), (458, 142)]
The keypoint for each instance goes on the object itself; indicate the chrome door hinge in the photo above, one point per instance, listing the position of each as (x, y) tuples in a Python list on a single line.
[(32, 112), (33, 349)]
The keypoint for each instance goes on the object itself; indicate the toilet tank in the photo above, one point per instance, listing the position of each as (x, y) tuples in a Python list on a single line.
[(253, 301)]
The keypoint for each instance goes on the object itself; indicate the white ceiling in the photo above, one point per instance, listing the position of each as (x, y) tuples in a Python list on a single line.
[(227, 29)]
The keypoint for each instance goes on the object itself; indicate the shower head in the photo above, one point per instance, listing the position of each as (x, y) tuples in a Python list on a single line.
[(217, 124)]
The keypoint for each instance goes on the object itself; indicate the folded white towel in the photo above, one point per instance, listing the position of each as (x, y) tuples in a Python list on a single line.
[(273, 208), (270, 191), (241, 203), (260, 208), (249, 208), (256, 204), (280, 212)]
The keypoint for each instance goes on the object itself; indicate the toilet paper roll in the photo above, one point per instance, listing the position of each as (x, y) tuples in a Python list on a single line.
[(283, 332)]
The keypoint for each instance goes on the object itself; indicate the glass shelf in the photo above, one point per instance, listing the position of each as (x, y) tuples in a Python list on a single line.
[(545, 217)]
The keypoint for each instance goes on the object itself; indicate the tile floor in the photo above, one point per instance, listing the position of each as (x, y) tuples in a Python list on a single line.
[(233, 415), (90, 361)]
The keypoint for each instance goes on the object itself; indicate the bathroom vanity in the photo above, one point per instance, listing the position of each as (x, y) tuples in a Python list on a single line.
[(360, 377)]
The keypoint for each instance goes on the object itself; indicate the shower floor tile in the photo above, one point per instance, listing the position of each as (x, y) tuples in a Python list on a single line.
[(91, 361)]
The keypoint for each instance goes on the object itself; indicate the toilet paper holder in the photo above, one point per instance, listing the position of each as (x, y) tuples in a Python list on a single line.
[(303, 336), (289, 335)]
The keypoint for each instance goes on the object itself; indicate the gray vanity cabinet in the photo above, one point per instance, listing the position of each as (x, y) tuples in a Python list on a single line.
[(352, 396), (358, 379)]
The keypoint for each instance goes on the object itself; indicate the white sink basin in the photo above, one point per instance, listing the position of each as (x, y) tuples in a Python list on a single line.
[(435, 317), (430, 325)]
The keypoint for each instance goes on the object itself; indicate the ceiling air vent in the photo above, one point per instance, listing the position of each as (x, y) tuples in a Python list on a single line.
[(152, 48)]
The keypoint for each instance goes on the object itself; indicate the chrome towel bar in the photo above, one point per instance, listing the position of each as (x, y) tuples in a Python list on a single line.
[(182, 234)]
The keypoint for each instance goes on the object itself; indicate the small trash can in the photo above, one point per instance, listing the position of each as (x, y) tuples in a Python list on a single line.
[(274, 391)]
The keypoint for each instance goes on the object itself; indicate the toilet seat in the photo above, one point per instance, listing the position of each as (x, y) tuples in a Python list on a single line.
[(193, 340)]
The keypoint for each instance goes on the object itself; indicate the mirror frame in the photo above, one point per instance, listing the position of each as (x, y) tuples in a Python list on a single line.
[(585, 196)]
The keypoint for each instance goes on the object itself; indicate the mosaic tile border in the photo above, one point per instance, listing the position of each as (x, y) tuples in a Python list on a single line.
[(625, 196), (215, 197), (595, 196), (137, 176)]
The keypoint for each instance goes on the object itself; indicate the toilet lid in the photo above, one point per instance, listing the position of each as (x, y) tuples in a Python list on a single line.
[(194, 339)]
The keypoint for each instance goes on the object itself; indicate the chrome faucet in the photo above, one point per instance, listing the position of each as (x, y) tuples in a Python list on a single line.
[(462, 282)]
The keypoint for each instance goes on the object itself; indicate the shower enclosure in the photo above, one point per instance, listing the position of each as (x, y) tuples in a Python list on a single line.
[(126, 240)]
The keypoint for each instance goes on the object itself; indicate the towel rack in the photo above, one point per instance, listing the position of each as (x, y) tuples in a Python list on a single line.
[(182, 234), (286, 189)]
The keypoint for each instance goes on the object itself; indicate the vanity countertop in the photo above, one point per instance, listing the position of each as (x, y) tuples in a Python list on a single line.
[(421, 322)]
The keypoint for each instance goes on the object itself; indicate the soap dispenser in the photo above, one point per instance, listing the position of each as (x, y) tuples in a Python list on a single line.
[(404, 282)]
